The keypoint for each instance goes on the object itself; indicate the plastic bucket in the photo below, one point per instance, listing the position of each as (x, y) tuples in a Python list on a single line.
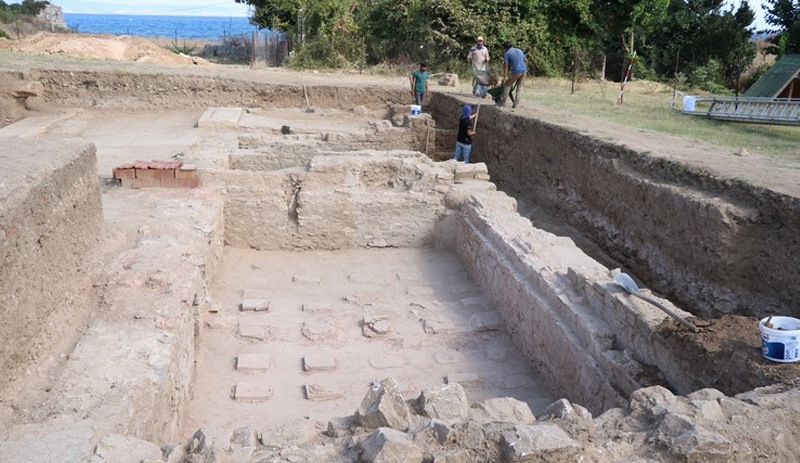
[(416, 110), (781, 343)]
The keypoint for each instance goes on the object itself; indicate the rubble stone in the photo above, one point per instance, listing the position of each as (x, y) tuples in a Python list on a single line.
[(384, 406), (539, 443), (446, 402), (386, 445), (506, 409)]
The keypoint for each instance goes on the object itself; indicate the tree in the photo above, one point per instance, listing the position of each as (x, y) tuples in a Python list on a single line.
[(784, 16), (322, 31), (627, 25), (701, 39)]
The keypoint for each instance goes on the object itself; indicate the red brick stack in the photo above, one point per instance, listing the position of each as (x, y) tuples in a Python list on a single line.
[(154, 174)]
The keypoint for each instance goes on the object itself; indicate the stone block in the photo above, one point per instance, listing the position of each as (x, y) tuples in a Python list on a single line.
[(708, 447), (383, 406), (535, 443), (446, 402), (319, 362), (320, 393), (340, 426), (252, 362), (317, 308), (259, 332), (252, 392), (453, 456), (255, 304), (220, 118), (372, 327), (389, 445), (504, 409), (442, 430), (319, 331)]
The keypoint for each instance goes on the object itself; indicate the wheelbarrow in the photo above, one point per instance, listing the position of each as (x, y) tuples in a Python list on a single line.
[(497, 94)]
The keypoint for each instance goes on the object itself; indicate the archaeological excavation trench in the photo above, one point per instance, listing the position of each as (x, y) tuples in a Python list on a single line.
[(327, 251)]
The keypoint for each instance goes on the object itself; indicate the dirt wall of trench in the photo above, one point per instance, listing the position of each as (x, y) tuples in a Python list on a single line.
[(134, 91), (711, 244), (50, 217)]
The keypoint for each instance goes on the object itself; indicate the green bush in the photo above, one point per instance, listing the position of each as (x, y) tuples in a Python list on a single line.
[(709, 77), (181, 49)]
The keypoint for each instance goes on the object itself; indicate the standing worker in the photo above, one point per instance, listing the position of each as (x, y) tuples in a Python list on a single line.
[(419, 83), (514, 69), (478, 56), (466, 130)]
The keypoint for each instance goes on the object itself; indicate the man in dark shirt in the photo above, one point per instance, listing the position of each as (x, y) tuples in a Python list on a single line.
[(465, 132)]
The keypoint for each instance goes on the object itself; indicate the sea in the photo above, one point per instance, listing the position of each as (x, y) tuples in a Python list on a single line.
[(202, 28)]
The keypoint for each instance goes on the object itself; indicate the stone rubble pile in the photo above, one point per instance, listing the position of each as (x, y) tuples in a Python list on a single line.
[(441, 426)]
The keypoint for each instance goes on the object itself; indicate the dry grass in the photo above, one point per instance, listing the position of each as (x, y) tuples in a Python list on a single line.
[(646, 106)]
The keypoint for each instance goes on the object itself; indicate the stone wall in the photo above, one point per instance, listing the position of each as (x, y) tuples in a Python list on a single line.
[(50, 217), (265, 153), (365, 199)]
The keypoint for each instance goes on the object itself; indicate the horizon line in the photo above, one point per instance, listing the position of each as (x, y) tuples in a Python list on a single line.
[(157, 13)]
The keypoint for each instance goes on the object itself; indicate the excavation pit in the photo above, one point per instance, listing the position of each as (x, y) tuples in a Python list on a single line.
[(170, 343)]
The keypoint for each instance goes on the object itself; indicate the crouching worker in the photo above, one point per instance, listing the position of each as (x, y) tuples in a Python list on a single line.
[(466, 129)]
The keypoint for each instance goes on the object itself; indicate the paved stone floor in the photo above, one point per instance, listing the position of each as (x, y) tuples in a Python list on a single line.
[(321, 326)]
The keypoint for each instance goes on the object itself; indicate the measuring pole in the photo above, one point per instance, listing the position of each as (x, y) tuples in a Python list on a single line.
[(627, 75)]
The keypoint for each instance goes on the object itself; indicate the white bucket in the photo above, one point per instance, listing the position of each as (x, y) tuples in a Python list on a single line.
[(416, 110), (781, 343)]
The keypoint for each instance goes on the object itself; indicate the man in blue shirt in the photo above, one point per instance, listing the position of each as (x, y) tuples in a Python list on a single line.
[(514, 70)]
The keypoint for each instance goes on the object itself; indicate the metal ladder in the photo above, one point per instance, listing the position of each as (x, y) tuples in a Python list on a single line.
[(782, 111)]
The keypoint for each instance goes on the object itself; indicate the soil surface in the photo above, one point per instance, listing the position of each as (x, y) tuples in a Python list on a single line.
[(727, 353)]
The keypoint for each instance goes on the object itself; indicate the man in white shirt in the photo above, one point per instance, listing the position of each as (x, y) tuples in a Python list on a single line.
[(479, 55)]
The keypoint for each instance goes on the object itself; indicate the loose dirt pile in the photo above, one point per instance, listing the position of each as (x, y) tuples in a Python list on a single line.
[(119, 48)]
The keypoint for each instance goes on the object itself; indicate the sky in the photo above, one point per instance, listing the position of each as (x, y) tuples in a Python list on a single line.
[(228, 8)]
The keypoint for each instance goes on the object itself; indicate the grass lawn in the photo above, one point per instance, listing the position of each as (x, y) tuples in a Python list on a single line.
[(646, 107)]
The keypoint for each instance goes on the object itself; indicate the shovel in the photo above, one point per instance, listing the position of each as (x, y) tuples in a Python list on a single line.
[(308, 107), (626, 282)]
